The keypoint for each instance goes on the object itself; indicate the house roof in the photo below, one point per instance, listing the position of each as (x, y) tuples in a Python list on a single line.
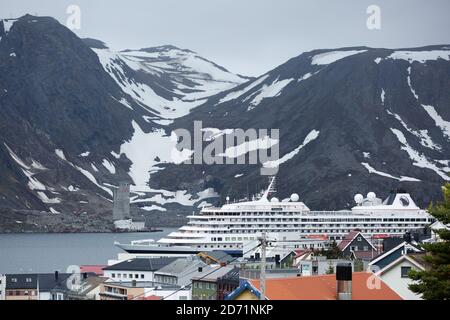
[(43, 281), (245, 285), (324, 288), (387, 253), (217, 256), (348, 238), (399, 260), (141, 264), (299, 253), (97, 269), (21, 281), (181, 266)]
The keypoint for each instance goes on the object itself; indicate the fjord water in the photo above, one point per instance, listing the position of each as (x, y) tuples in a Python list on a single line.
[(30, 253)]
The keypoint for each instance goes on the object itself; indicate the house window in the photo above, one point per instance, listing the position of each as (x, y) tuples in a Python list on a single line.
[(14, 280), (366, 248), (405, 271), (113, 275), (359, 239), (28, 279)]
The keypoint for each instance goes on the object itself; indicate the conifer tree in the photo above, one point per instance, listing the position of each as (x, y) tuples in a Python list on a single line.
[(434, 283)]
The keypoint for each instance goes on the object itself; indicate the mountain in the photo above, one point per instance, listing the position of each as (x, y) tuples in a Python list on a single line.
[(79, 118), (351, 120), (74, 114)]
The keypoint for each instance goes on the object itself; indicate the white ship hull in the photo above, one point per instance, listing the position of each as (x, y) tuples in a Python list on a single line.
[(231, 227)]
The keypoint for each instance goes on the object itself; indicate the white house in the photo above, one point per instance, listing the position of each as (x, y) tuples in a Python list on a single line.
[(138, 269), (395, 275), (168, 293)]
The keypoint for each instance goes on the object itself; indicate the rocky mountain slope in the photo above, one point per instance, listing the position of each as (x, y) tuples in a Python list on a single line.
[(78, 118), (351, 120), (74, 114)]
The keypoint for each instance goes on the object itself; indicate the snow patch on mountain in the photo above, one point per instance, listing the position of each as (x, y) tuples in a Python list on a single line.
[(214, 133), (147, 151), (387, 175), (269, 91), (86, 173), (249, 146), (7, 24), (423, 135), (419, 160), (146, 97), (236, 94), (16, 158), (333, 56), (440, 122), (206, 77), (154, 208), (383, 96), (45, 199), (33, 183), (109, 166), (313, 135), (421, 56), (182, 197)]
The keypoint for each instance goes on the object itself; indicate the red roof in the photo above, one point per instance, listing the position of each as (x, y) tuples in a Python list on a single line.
[(299, 252), (97, 269), (324, 288)]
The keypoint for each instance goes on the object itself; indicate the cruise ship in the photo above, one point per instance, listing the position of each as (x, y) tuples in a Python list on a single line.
[(231, 227)]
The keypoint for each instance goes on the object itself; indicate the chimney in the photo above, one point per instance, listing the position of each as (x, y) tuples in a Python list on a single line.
[(56, 275), (344, 281)]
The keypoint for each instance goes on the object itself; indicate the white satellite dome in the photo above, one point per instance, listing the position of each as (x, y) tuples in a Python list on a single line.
[(274, 200), (371, 196), (295, 197), (359, 198)]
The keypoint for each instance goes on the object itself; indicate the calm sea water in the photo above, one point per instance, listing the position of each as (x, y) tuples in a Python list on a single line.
[(23, 253)]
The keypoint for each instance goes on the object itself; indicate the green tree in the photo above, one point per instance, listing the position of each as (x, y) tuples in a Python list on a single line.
[(330, 269), (332, 252), (359, 265), (434, 283)]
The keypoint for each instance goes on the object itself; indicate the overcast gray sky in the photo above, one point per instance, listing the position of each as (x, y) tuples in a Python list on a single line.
[(249, 36)]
